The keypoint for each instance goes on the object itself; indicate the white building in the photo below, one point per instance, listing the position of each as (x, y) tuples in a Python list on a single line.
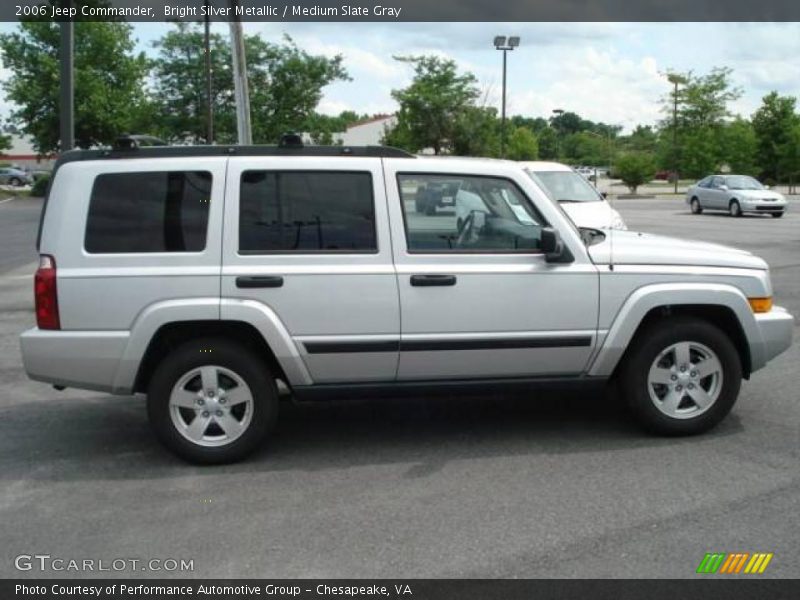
[(23, 155), (368, 132)]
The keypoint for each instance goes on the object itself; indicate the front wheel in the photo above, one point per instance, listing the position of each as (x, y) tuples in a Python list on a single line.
[(15, 181), (212, 401), (681, 376), (696, 208), (735, 209)]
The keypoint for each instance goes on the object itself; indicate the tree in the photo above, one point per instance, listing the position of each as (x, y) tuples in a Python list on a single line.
[(773, 123), (431, 106), (5, 142), (109, 81), (476, 132), (522, 145), (586, 148), (285, 86), (702, 111), (642, 139), (548, 144), (739, 147), (635, 168), (789, 157)]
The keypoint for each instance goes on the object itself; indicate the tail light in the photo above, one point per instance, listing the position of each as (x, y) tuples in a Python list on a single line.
[(44, 288)]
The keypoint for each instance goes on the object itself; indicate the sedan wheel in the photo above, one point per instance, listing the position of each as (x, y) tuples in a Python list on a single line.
[(735, 209), (696, 208)]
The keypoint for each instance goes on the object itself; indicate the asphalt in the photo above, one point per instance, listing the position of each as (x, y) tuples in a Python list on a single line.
[(544, 486)]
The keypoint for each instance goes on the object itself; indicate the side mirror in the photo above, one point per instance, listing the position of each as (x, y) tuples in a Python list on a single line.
[(723, 187), (766, 187), (604, 195), (553, 247)]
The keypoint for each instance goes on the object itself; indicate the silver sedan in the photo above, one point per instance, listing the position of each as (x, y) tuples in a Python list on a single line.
[(735, 194)]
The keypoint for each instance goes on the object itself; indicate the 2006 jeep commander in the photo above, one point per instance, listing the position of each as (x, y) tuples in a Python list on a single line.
[(204, 276)]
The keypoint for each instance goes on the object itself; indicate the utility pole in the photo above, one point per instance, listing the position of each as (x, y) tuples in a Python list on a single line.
[(675, 79), (241, 91), (67, 100), (209, 94)]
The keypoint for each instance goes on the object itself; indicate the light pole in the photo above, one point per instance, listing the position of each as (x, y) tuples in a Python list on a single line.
[(500, 43), (67, 100), (558, 112), (675, 79)]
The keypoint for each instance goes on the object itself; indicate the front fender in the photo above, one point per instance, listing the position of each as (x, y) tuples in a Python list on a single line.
[(646, 298)]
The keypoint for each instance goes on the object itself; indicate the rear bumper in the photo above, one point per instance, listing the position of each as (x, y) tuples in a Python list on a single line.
[(82, 359), (776, 327)]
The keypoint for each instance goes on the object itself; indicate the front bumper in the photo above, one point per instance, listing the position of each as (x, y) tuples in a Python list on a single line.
[(776, 328)]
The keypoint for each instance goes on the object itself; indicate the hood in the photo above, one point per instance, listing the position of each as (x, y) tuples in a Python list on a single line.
[(597, 215), (632, 248), (766, 194)]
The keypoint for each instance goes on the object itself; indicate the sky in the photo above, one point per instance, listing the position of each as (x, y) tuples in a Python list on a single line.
[(610, 72)]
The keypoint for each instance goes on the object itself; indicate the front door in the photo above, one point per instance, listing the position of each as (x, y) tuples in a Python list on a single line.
[(478, 299)]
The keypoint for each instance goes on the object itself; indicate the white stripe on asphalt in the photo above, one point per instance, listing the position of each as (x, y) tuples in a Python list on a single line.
[(8, 200)]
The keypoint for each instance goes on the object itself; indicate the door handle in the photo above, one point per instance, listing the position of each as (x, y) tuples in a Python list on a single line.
[(432, 280), (260, 281)]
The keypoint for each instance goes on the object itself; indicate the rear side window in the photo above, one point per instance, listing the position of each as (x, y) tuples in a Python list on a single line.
[(154, 211), (306, 212)]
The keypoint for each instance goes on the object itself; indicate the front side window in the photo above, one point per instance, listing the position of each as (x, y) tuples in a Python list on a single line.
[(463, 213), (153, 211), (566, 186), (306, 212)]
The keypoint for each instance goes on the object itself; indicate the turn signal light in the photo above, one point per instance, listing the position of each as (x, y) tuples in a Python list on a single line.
[(760, 305)]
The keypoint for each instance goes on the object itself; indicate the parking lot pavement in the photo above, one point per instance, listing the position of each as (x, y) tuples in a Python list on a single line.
[(545, 486)]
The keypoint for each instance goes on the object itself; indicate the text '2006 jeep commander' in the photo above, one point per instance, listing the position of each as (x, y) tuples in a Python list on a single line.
[(210, 278)]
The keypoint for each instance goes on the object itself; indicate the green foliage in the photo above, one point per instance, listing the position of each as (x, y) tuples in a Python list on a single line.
[(432, 108), (548, 144), (774, 123), (39, 187), (476, 132), (587, 148), (109, 81), (635, 168), (285, 85), (642, 139), (5, 143), (739, 147), (522, 145), (323, 127)]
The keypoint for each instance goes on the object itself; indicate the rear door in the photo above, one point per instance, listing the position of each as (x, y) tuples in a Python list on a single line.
[(309, 238)]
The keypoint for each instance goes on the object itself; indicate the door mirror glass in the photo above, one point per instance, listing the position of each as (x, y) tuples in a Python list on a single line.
[(723, 187), (553, 247)]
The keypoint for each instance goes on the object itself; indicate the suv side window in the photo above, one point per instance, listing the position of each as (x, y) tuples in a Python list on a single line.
[(467, 214), (306, 212), (153, 211)]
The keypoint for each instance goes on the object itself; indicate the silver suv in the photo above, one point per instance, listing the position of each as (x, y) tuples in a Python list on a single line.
[(216, 279)]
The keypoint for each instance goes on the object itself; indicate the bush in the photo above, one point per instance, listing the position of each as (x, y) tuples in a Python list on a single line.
[(635, 168), (39, 187)]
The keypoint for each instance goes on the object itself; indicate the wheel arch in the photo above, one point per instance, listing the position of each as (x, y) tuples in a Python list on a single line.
[(722, 305), (172, 335)]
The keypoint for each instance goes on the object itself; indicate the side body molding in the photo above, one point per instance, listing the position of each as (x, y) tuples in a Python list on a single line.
[(646, 298)]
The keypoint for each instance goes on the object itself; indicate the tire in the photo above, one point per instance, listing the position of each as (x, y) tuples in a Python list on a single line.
[(696, 208), (777, 215), (15, 181), (734, 209), (670, 408), (235, 374)]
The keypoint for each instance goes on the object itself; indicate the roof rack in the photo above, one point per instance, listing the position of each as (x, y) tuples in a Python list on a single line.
[(137, 146)]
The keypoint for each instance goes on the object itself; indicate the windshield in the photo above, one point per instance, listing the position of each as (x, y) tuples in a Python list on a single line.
[(566, 186), (742, 182)]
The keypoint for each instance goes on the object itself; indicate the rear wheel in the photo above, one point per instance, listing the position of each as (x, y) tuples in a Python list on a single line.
[(696, 208), (15, 181), (734, 209), (681, 376), (211, 401)]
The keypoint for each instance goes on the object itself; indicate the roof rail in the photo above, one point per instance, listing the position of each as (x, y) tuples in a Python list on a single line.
[(134, 149)]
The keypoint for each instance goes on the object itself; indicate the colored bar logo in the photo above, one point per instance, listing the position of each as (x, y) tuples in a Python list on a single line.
[(734, 563)]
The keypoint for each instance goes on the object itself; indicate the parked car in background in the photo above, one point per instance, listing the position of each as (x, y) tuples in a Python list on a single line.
[(736, 194), (15, 177), (580, 200)]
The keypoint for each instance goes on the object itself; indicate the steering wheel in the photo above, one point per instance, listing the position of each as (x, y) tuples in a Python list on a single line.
[(466, 232)]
